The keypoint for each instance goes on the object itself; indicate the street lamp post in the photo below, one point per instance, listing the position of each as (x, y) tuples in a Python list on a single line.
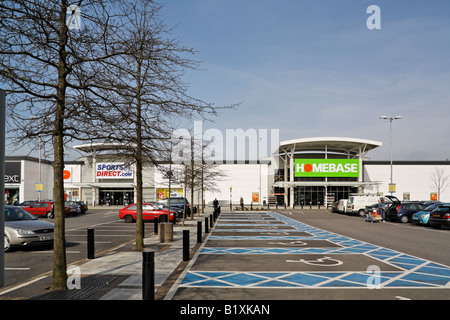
[(260, 159), (40, 147), (2, 183), (390, 128)]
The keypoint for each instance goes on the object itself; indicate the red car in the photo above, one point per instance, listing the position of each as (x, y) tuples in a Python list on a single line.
[(149, 212), (44, 208)]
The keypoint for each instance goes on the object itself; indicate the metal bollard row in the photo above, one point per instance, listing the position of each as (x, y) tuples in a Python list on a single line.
[(148, 257)]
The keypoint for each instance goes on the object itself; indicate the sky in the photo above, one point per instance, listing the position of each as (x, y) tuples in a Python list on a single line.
[(314, 69)]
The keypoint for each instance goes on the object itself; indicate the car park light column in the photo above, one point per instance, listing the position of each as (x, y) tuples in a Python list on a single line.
[(390, 138), (2, 185), (291, 176)]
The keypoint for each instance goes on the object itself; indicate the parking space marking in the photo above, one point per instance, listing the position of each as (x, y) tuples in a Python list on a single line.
[(408, 272)]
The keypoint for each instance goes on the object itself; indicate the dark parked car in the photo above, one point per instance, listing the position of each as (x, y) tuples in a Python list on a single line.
[(334, 206), (403, 211), (176, 204), (83, 206), (75, 208), (440, 217)]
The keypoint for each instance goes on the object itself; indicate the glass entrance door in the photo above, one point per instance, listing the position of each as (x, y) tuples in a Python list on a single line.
[(116, 196), (316, 195)]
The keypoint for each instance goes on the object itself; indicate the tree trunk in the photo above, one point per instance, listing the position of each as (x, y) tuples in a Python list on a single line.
[(59, 275)]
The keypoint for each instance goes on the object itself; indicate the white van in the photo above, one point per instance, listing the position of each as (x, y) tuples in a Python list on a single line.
[(357, 203), (342, 205)]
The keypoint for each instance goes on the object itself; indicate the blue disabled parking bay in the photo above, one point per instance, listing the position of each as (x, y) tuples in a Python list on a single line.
[(269, 250)]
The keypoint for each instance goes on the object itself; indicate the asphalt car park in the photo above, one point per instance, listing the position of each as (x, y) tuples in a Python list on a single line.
[(24, 263), (290, 254), (316, 254)]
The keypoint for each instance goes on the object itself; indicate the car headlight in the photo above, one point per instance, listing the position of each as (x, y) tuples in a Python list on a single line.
[(25, 232), (423, 216)]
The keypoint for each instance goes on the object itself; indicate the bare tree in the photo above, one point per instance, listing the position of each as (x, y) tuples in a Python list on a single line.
[(118, 78), (137, 95), (200, 172), (439, 181), (42, 62)]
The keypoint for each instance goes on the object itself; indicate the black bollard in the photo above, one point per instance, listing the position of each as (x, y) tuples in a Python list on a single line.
[(199, 232), (206, 225), (156, 221), (210, 221), (90, 243), (185, 245), (148, 275)]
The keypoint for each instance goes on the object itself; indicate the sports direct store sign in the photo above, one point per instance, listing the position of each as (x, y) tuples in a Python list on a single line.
[(326, 167), (113, 170)]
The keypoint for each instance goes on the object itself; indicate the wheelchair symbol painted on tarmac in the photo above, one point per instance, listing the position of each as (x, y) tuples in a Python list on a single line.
[(297, 243), (321, 262), (283, 233)]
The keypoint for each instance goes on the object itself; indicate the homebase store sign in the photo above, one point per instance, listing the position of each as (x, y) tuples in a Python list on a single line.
[(326, 167)]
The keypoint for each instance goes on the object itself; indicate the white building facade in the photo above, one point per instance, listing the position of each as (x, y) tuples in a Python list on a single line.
[(414, 180), (313, 171), (27, 178)]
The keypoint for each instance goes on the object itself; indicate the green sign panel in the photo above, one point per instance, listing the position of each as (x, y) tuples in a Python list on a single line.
[(326, 167)]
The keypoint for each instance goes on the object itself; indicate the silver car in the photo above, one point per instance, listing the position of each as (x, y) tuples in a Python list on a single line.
[(23, 229)]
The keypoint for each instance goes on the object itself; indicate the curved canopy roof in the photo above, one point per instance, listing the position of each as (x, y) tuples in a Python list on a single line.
[(91, 147), (330, 144)]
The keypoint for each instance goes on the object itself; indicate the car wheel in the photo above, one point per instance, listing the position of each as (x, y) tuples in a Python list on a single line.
[(361, 213), (163, 218), (7, 244), (404, 219), (49, 215), (129, 219)]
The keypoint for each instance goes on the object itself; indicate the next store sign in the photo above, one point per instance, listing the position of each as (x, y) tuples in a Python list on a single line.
[(326, 167)]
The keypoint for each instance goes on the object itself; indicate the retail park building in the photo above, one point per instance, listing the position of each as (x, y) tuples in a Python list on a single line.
[(314, 171)]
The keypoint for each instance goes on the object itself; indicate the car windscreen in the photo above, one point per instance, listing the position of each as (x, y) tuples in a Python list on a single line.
[(17, 214)]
